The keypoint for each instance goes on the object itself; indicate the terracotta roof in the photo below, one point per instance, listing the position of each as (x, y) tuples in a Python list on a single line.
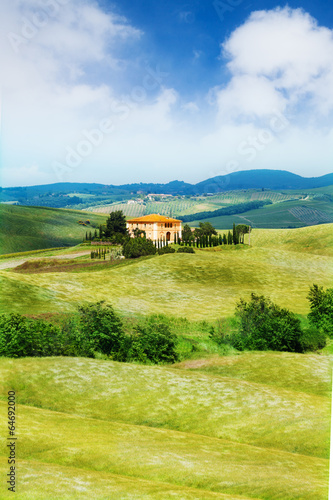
[(152, 218)]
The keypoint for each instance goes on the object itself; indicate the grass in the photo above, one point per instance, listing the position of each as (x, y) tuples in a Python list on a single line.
[(205, 285), (33, 228), (174, 429)]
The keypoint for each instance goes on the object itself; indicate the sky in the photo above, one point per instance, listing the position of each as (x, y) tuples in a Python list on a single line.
[(155, 91)]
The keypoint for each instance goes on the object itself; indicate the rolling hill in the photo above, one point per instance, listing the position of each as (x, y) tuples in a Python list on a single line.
[(32, 228)]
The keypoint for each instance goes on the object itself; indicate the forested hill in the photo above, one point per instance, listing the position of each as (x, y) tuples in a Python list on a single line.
[(258, 179)]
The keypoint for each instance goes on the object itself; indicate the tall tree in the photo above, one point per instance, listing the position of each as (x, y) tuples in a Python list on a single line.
[(116, 224)]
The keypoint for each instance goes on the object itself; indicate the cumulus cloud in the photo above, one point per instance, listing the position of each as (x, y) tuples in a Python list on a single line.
[(278, 59), (67, 116)]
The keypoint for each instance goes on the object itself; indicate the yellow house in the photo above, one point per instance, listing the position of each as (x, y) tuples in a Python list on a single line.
[(156, 227)]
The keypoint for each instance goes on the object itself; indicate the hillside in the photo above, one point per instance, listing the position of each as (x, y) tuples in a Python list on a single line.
[(281, 264), (173, 432), (32, 228), (288, 214)]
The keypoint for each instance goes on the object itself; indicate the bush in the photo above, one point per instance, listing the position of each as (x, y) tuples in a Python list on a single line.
[(154, 342), (166, 249), (185, 250), (312, 339), (103, 330), (264, 325), (137, 247), (321, 305), (21, 337)]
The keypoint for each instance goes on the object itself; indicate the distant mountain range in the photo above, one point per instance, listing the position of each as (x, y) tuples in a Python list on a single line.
[(249, 179)]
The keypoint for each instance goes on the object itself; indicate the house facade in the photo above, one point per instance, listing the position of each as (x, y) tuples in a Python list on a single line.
[(157, 227)]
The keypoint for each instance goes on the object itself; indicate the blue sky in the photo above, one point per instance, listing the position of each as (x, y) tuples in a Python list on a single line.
[(153, 91)]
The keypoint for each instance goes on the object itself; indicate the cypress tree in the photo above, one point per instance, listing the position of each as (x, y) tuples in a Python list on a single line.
[(225, 241), (234, 235), (220, 239), (210, 240)]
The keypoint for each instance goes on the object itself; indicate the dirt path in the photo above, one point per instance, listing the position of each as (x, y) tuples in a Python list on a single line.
[(17, 262)]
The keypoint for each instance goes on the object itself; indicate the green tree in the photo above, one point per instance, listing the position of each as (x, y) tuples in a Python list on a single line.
[(229, 238), (116, 226), (137, 247), (234, 235), (241, 230), (103, 329), (186, 233), (154, 342), (321, 305), (264, 325)]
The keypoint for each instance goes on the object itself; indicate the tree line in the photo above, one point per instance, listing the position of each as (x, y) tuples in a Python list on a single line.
[(96, 329)]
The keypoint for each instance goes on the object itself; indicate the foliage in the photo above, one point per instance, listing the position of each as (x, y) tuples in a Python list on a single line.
[(264, 325), (185, 250), (103, 329), (241, 230), (205, 229), (165, 249), (235, 237), (312, 339), (321, 305), (20, 337), (116, 227), (137, 247), (154, 342), (187, 234)]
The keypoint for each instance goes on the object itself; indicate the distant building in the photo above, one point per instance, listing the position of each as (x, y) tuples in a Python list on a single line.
[(156, 227)]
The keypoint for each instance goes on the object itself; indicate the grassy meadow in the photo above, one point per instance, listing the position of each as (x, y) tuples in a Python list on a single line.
[(238, 426), (281, 264), (94, 426)]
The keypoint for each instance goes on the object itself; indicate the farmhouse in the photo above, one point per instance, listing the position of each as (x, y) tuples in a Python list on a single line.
[(156, 227)]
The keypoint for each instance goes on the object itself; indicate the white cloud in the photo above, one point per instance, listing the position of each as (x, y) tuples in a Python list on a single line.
[(288, 51), (63, 82)]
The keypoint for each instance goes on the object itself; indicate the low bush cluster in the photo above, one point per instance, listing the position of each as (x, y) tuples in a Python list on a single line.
[(95, 329), (261, 325), (165, 249), (185, 250), (138, 247)]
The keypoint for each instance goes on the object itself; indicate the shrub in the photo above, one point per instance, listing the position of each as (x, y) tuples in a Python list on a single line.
[(166, 249), (20, 337), (137, 247), (312, 339), (264, 325), (103, 330), (321, 305), (154, 342), (185, 250)]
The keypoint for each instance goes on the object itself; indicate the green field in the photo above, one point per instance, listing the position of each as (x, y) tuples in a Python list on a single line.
[(94, 428), (241, 426), (280, 264), (289, 214), (32, 228)]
